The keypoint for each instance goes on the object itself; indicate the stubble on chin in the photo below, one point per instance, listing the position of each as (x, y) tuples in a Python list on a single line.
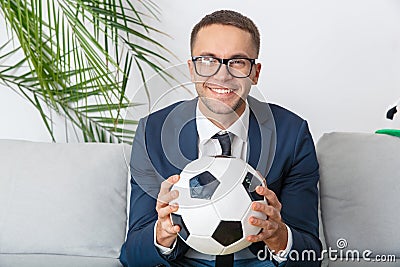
[(215, 106), (219, 107)]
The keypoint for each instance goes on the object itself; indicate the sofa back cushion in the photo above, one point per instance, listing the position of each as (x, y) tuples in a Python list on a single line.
[(63, 199), (360, 192)]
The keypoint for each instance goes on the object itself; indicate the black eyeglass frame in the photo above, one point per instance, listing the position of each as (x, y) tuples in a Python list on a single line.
[(225, 62)]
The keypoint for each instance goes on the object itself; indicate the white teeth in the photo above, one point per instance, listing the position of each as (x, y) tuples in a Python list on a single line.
[(221, 91)]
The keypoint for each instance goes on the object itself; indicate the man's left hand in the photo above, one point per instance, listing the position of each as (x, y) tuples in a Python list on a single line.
[(274, 232)]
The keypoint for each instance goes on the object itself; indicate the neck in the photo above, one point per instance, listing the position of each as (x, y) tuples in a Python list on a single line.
[(222, 121)]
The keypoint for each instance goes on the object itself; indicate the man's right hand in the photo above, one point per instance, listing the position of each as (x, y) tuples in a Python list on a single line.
[(166, 233)]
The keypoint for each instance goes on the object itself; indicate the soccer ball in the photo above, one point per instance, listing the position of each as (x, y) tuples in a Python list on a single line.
[(215, 196)]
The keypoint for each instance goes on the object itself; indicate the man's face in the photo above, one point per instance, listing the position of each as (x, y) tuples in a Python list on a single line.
[(222, 93)]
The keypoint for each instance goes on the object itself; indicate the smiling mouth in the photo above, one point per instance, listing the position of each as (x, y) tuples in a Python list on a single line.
[(221, 90)]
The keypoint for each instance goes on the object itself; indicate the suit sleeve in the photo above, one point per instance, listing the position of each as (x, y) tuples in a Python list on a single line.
[(139, 249), (299, 198)]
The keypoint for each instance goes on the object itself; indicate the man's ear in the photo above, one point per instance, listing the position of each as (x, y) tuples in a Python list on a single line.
[(191, 70), (257, 68)]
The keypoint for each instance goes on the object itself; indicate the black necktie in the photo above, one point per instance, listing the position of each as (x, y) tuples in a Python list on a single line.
[(225, 142), (224, 260)]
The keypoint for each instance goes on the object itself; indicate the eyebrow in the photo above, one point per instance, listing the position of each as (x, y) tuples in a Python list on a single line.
[(239, 55)]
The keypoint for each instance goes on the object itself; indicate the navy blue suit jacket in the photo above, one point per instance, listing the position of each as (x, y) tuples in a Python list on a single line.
[(279, 146)]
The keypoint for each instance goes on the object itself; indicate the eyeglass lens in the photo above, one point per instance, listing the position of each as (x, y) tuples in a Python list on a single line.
[(209, 66)]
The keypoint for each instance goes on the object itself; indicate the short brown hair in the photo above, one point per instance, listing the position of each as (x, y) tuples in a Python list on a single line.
[(231, 18)]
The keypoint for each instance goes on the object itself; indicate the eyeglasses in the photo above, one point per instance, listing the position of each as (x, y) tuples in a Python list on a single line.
[(207, 66)]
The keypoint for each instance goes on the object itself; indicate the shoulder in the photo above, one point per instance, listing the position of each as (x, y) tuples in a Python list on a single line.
[(289, 126), (287, 123), (168, 121), (172, 113), (163, 113), (282, 114)]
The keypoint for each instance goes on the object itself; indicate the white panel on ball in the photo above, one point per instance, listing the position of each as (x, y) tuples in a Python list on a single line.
[(198, 166), (205, 244), (234, 170), (241, 244), (230, 207), (196, 218), (224, 165)]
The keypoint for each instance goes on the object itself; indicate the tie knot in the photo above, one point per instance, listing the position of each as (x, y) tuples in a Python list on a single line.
[(224, 139)]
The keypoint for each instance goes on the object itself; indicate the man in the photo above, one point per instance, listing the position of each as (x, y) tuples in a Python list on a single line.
[(224, 47)]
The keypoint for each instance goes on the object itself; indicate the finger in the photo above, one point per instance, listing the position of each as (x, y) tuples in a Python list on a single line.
[(165, 230), (168, 183), (164, 200), (271, 212), (260, 237), (165, 196), (170, 229), (268, 231), (175, 229), (164, 212), (270, 196), (265, 224)]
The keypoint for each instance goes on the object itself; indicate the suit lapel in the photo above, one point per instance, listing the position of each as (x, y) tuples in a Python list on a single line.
[(179, 138), (254, 141), (188, 140), (261, 136)]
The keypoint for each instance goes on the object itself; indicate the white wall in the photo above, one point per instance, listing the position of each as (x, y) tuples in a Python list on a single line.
[(335, 63)]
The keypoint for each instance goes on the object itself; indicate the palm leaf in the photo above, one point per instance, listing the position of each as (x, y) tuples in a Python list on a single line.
[(79, 54)]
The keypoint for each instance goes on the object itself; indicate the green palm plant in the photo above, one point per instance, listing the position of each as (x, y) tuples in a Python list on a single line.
[(75, 56)]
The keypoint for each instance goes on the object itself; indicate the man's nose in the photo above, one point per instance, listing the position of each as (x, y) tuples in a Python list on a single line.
[(223, 73)]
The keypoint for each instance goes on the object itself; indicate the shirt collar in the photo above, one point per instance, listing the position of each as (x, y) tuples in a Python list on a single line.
[(206, 129)]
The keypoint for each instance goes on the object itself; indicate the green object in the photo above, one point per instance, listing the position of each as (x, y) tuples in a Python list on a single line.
[(393, 132), (74, 58)]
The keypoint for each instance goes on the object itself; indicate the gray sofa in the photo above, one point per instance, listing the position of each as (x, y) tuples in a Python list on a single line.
[(360, 198), (66, 204), (62, 204)]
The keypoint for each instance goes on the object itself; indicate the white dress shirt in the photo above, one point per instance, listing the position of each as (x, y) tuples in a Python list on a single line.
[(207, 146)]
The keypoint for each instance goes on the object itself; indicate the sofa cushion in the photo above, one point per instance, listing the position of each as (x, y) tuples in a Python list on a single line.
[(63, 199), (45, 260), (359, 189)]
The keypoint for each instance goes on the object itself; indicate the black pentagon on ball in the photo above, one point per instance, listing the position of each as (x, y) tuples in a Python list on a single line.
[(177, 220), (250, 182), (228, 232), (203, 185)]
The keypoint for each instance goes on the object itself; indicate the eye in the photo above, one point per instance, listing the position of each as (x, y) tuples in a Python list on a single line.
[(208, 60), (237, 63)]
